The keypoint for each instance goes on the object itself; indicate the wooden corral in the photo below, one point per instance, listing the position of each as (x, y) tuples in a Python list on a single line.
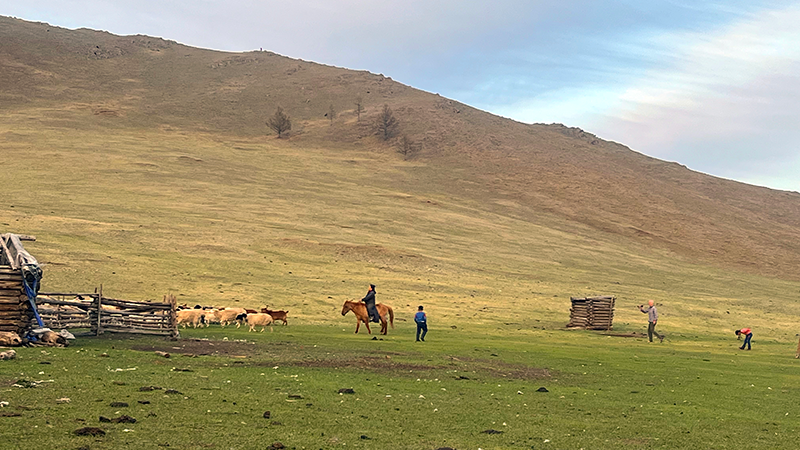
[(103, 314), (592, 313), (70, 310)]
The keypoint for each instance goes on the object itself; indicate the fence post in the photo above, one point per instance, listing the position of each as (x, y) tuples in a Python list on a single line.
[(173, 320), (99, 331)]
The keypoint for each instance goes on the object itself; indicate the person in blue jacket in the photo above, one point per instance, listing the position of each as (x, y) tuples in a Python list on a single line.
[(422, 323)]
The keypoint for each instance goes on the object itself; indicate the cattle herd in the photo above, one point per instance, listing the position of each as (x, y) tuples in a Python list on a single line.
[(204, 316)]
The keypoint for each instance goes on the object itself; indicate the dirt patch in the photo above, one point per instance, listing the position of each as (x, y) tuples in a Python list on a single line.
[(626, 335), (197, 347), (371, 363)]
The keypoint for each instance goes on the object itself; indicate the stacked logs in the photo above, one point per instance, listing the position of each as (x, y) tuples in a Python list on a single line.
[(592, 313), (15, 314)]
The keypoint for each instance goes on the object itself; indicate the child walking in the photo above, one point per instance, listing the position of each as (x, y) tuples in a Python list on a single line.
[(747, 336), (422, 323)]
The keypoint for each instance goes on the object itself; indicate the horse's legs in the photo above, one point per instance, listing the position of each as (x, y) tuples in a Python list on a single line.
[(366, 322), (358, 324)]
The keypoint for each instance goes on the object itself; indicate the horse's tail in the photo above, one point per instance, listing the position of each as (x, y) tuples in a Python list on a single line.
[(391, 316)]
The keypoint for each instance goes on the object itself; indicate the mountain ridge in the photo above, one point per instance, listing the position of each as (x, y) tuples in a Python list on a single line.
[(93, 79)]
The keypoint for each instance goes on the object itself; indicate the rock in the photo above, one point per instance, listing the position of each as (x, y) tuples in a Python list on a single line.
[(346, 391), (164, 354), (62, 400), (267, 414), (105, 419), (9, 354), (144, 402), (89, 431), (149, 388), (365, 437), (374, 338), (491, 431), (542, 389), (173, 391), (124, 419), (295, 396), (445, 448), (276, 446), (118, 405)]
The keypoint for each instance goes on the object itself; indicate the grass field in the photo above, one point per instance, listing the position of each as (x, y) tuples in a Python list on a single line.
[(603, 392)]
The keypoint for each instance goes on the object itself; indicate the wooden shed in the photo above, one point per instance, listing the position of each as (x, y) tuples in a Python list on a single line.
[(18, 269), (592, 313)]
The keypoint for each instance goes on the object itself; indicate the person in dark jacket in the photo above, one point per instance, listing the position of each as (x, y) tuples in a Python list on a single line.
[(369, 299), (422, 323)]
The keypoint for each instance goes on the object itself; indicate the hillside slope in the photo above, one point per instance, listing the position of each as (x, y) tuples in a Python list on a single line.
[(522, 170)]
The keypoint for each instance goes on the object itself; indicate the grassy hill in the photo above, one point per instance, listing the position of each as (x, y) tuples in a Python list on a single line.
[(145, 165)]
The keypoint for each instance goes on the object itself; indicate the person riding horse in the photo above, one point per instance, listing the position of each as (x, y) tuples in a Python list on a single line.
[(369, 300)]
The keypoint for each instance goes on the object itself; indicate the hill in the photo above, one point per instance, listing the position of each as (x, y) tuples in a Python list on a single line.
[(145, 164)]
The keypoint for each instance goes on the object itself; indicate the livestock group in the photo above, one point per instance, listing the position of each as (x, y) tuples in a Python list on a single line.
[(205, 316)]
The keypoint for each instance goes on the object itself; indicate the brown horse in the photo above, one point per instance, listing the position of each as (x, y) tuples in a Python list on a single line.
[(360, 310)]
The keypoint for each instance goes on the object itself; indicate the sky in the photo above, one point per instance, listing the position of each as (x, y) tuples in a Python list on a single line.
[(713, 85)]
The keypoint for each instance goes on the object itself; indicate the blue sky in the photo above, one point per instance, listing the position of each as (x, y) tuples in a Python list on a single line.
[(714, 85)]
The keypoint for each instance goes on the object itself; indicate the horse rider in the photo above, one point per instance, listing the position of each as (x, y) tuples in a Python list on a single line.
[(369, 300)]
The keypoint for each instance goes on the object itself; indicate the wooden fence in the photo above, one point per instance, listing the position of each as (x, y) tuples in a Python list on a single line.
[(103, 314)]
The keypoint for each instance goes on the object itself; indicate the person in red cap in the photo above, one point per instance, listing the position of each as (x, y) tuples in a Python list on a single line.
[(747, 336), (652, 320)]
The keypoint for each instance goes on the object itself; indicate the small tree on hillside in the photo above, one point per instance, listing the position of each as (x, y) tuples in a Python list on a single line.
[(279, 122), (359, 107), (331, 113), (387, 123), (407, 148)]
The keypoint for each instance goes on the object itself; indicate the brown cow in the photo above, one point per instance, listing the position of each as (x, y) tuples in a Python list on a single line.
[(276, 315)]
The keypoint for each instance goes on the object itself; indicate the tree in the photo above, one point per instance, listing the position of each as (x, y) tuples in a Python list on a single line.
[(408, 148), (331, 113), (279, 122), (359, 107), (387, 123)]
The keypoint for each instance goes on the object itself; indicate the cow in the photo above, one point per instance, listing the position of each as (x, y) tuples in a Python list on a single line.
[(230, 315), (276, 315), (190, 316), (254, 320)]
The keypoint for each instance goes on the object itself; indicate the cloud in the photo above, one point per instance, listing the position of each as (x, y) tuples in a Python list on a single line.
[(728, 105)]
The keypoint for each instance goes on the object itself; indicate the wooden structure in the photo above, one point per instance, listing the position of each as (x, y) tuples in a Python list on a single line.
[(102, 314), (16, 264), (19, 283), (592, 313)]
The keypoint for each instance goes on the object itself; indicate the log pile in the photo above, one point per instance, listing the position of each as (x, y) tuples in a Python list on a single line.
[(15, 314), (592, 313)]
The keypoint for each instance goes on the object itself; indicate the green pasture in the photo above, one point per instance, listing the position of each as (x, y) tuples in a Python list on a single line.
[(603, 392), (304, 225)]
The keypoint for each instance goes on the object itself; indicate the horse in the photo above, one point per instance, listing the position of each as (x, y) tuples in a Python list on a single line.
[(360, 310)]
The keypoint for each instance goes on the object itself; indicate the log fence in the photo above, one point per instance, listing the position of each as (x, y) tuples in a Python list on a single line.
[(102, 314)]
